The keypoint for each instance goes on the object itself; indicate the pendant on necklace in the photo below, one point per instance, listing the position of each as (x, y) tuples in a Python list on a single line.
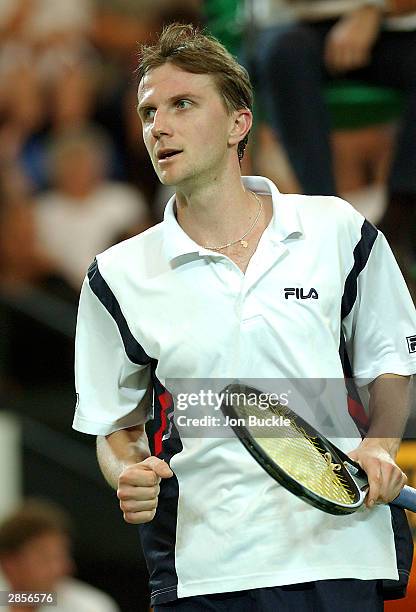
[(244, 243)]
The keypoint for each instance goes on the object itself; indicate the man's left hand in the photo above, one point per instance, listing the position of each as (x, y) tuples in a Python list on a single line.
[(385, 478)]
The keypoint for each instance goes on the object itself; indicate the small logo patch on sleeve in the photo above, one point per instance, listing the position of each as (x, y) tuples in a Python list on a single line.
[(411, 343)]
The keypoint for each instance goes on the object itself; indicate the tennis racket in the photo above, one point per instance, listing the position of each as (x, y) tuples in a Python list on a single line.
[(297, 456)]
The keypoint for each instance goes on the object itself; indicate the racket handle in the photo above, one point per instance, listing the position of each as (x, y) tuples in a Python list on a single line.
[(406, 499)]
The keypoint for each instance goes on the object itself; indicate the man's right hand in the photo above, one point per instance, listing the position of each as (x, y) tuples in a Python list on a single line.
[(138, 489)]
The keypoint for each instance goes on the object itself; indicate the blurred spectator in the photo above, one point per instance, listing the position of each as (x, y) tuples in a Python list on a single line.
[(225, 20), (48, 75), (84, 213), (46, 62), (22, 260), (235, 24), (328, 41), (35, 556), (331, 40), (120, 26), (26, 269)]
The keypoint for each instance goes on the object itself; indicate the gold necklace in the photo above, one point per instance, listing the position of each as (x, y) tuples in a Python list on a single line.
[(241, 240)]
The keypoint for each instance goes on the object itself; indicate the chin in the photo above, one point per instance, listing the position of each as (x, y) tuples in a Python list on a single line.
[(172, 180)]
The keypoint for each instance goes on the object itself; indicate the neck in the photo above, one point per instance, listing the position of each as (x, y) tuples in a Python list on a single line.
[(217, 212)]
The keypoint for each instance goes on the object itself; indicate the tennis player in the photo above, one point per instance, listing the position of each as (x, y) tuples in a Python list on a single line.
[(239, 281)]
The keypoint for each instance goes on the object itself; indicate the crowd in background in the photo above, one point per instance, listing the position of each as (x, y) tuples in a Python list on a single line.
[(74, 174)]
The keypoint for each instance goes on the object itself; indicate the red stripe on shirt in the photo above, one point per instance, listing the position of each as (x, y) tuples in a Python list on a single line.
[(165, 400), (357, 412)]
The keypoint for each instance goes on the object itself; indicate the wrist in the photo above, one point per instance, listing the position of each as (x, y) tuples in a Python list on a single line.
[(389, 445)]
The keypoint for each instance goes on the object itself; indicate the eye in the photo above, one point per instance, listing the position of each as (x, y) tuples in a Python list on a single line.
[(148, 114), (183, 104)]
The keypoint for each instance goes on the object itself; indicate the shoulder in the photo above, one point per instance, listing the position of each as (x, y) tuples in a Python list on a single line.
[(145, 242), (333, 207), (329, 216)]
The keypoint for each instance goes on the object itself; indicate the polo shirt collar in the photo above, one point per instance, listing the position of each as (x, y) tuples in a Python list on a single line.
[(285, 222)]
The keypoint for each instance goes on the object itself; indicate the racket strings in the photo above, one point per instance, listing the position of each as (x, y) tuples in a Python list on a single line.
[(298, 454)]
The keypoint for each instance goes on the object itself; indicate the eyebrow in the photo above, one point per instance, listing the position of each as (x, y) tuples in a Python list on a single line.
[(175, 98)]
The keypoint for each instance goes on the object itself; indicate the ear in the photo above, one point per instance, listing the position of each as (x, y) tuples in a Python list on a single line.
[(242, 121)]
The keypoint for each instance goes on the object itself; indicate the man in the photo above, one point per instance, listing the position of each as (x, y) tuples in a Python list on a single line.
[(201, 296), (35, 558)]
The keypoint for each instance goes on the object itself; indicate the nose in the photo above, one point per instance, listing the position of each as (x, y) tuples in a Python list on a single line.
[(160, 126)]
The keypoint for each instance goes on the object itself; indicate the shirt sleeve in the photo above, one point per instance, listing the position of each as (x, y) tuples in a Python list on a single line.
[(110, 387), (380, 327)]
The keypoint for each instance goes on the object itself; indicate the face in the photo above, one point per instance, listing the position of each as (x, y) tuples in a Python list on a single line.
[(186, 127), (40, 563)]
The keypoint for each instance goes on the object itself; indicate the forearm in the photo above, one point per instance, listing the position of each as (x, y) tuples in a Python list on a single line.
[(121, 449), (389, 411)]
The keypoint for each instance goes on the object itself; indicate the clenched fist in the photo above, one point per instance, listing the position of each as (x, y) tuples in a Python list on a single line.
[(138, 489)]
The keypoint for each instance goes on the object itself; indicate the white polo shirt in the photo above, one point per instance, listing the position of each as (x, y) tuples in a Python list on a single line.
[(159, 307)]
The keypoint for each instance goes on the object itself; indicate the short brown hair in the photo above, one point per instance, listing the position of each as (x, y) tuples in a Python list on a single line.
[(32, 519), (188, 48)]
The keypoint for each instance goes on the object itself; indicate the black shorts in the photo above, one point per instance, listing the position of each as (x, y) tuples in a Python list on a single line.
[(345, 595)]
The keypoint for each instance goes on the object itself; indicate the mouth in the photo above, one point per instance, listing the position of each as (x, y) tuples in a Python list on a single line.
[(166, 155)]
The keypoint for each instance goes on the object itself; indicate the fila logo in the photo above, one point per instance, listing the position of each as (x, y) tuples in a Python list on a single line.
[(299, 293), (411, 344)]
